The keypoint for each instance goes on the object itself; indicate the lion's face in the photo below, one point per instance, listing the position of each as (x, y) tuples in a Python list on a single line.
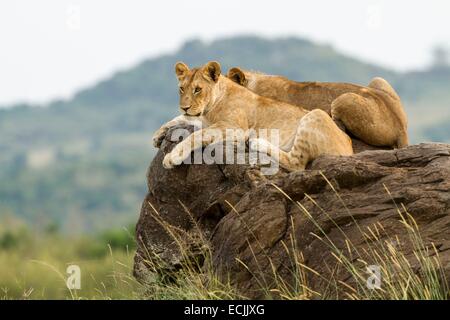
[(196, 87)]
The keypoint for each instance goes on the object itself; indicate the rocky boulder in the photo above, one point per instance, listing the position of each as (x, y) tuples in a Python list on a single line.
[(252, 222)]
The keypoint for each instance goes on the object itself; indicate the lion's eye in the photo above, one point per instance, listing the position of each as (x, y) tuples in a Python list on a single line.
[(197, 90), (181, 90)]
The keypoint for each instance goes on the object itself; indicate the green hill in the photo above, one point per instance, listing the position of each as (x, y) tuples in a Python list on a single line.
[(81, 163)]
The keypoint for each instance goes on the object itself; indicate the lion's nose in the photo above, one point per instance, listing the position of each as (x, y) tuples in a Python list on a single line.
[(185, 108)]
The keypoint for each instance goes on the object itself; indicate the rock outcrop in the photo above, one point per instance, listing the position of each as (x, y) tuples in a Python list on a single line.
[(252, 222)]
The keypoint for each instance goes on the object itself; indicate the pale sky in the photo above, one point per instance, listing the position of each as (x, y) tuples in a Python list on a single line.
[(52, 48)]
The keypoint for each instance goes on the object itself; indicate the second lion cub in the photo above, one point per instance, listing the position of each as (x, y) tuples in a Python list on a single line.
[(220, 104), (373, 114)]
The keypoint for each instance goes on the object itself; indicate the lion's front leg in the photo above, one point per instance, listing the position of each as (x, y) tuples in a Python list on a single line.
[(178, 154), (194, 141), (160, 134)]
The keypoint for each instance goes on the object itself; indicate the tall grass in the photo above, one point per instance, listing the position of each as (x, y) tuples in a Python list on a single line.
[(196, 278), (417, 278), (35, 267), (402, 275)]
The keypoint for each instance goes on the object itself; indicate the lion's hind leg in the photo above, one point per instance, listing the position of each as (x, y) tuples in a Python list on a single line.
[(393, 103), (316, 135), (366, 117), (381, 84)]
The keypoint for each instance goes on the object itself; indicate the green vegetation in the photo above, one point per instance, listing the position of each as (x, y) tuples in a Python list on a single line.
[(33, 266), (81, 163), (77, 195)]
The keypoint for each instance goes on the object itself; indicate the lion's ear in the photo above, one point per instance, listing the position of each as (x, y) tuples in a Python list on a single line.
[(181, 69), (237, 75), (212, 70)]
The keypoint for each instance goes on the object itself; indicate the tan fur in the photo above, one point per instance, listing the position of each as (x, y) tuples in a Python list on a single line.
[(220, 104), (373, 114)]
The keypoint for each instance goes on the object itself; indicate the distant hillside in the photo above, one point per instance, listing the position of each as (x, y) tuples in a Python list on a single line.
[(78, 161)]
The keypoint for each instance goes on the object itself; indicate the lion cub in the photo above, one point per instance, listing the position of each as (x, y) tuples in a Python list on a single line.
[(373, 114), (219, 104)]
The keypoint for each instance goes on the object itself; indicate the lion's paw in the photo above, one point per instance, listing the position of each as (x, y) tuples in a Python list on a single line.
[(158, 137), (171, 160), (167, 161)]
